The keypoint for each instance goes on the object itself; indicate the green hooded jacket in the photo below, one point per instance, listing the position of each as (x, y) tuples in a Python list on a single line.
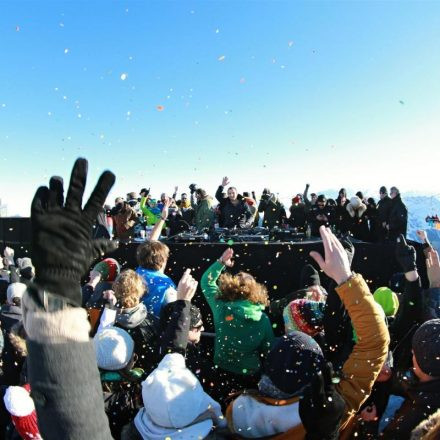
[(243, 331)]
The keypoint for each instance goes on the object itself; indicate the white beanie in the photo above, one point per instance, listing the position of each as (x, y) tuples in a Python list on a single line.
[(355, 202), (113, 348), (15, 290), (173, 396), (18, 401)]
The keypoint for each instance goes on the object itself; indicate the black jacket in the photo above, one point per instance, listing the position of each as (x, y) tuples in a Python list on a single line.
[(315, 223), (143, 327), (398, 218), (12, 361), (423, 399), (298, 217), (342, 217), (383, 216), (232, 215), (274, 212)]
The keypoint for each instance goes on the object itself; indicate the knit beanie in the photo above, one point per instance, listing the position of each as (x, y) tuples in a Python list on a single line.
[(387, 299), (426, 347), (108, 268), (309, 277), (15, 290), (113, 348), (20, 405), (296, 200), (293, 362), (355, 202), (305, 316)]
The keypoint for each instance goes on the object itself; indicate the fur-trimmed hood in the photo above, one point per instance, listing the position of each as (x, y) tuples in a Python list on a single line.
[(429, 429), (356, 207)]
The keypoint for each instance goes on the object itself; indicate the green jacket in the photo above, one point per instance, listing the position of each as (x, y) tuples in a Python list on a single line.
[(204, 215), (243, 330), (151, 217)]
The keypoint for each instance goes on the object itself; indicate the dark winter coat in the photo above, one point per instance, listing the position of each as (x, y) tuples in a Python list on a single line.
[(143, 327), (12, 361), (298, 217), (398, 219), (423, 399), (274, 212), (383, 216), (232, 215), (315, 223), (341, 217)]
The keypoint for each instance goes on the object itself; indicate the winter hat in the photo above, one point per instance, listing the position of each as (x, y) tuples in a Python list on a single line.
[(309, 277), (426, 347), (173, 397), (20, 405), (15, 290), (113, 348), (383, 190), (27, 270), (293, 362), (304, 315), (108, 268), (355, 202), (387, 299)]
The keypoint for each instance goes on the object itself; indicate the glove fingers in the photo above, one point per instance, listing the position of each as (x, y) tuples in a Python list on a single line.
[(99, 194), (102, 246), (56, 195), (77, 184), (40, 201)]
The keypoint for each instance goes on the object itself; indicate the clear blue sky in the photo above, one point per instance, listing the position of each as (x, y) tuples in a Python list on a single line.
[(269, 93)]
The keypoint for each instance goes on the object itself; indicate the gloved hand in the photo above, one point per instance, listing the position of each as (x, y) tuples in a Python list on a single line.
[(62, 247), (349, 248), (405, 255), (322, 407)]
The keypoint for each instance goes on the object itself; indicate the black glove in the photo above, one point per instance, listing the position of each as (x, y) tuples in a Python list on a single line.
[(349, 248), (405, 255), (62, 247), (321, 408), (193, 188)]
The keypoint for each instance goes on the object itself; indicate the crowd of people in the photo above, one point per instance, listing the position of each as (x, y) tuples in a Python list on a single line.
[(120, 356), (358, 216)]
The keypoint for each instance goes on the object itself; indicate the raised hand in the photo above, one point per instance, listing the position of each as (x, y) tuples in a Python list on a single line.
[(9, 255), (62, 247), (109, 297), (405, 255), (166, 207), (187, 286), (225, 181), (226, 257), (433, 268), (335, 263)]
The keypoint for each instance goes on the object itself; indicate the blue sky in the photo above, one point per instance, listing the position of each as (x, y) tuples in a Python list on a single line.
[(269, 93)]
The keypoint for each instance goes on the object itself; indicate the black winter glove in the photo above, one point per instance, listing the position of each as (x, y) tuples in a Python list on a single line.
[(321, 408), (349, 248), (405, 255), (62, 247)]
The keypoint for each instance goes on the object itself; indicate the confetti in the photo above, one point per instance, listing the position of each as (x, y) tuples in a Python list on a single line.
[(66, 50), (124, 76), (242, 80), (17, 28), (229, 318), (290, 43), (160, 108), (221, 58), (230, 242)]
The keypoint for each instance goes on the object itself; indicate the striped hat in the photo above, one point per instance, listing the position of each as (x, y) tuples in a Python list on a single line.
[(304, 315), (108, 268)]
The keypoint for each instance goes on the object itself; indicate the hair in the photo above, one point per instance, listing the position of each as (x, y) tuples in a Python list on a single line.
[(129, 287), (152, 255), (17, 337), (201, 192), (242, 286), (313, 195), (16, 301), (321, 198), (360, 195), (232, 187), (343, 192), (393, 188)]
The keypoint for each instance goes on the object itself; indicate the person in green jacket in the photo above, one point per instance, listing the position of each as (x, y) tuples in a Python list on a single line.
[(204, 215), (243, 331)]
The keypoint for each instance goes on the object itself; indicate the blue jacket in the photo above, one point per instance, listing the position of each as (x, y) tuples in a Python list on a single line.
[(158, 285)]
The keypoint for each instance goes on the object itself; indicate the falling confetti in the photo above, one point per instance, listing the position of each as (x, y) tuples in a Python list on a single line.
[(290, 43), (160, 108), (17, 28), (217, 31), (229, 318), (401, 102), (230, 242), (66, 50), (242, 80), (124, 76), (221, 58)]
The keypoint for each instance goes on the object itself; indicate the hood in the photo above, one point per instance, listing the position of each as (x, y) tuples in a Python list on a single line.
[(130, 318), (11, 310), (245, 310)]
